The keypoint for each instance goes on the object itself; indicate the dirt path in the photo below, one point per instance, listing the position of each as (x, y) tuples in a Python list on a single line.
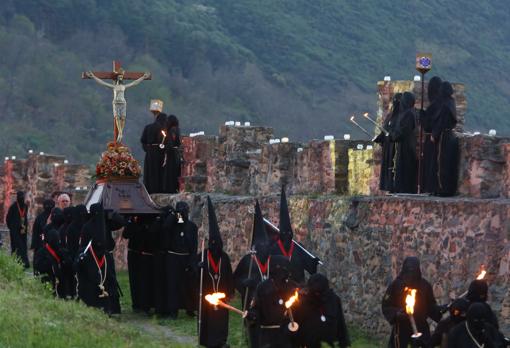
[(161, 331)]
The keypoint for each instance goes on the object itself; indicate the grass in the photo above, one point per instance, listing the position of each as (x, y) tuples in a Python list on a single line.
[(31, 317)]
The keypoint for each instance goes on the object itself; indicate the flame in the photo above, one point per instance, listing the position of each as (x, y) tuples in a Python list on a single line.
[(214, 298), (352, 118), (291, 300), (164, 133), (365, 114), (410, 300), (481, 275)]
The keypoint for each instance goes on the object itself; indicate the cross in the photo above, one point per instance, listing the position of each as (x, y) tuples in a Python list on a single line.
[(117, 70), (118, 75)]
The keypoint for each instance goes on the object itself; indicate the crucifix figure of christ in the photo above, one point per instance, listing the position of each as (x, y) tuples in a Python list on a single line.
[(118, 75)]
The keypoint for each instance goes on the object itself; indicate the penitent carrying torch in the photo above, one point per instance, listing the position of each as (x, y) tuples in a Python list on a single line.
[(423, 65)]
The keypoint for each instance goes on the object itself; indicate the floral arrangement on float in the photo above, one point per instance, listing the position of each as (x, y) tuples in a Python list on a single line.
[(117, 162)]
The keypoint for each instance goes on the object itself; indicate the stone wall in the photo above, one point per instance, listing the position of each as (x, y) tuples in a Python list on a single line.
[(241, 161), (40, 176), (363, 241)]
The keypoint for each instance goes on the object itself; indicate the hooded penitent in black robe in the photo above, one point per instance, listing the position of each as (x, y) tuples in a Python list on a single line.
[(216, 272), (427, 117), (259, 259), (299, 260), (68, 281), (404, 135), (458, 310), (477, 293), (134, 232), (39, 223), (393, 305), (72, 239), (97, 284), (17, 223), (475, 331), (446, 144), (320, 316), (182, 239), (49, 262), (267, 310), (172, 167), (154, 154), (388, 147)]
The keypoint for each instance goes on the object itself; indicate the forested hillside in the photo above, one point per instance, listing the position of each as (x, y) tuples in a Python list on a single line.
[(300, 66)]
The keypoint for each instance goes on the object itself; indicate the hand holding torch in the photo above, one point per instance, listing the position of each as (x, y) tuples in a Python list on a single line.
[(410, 302), (162, 145), (382, 129), (293, 326), (215, 300)]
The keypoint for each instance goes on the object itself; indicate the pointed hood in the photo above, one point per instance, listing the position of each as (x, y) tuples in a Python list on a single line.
[(259, 234), (286, 233), (259, 239), (95, 228), (215, 242)]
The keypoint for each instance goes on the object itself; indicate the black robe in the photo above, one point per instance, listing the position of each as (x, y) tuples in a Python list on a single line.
[(268, 306), (161, 245), (134, 232), (172, 168), (154, 155), (406, 160), (429, 164), (214, 321), (37, 230), (299, 261), (49, 263), (149, 242), (18, 228), (89, 279), (440, 335), (246, 280), (180, 263), (446, 150), (460, 338), (388, 154), (312, 329), (394, 303)]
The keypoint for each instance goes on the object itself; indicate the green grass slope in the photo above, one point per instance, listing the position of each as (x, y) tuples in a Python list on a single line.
[(31, 317)]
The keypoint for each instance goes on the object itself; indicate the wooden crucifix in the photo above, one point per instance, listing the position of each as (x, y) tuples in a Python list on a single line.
[(118, 75)]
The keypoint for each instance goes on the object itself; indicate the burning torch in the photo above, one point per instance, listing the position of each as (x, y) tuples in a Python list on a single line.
[(382, 129), (215, 300), (358, 125), (293, 326), (162, 145), (410, 302)]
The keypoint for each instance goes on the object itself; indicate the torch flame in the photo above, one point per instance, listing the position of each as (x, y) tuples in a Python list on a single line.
[(291, 300), (352, 118), (410, 300), (215, 298), (481, 275), (164, 133), (365, 114)]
